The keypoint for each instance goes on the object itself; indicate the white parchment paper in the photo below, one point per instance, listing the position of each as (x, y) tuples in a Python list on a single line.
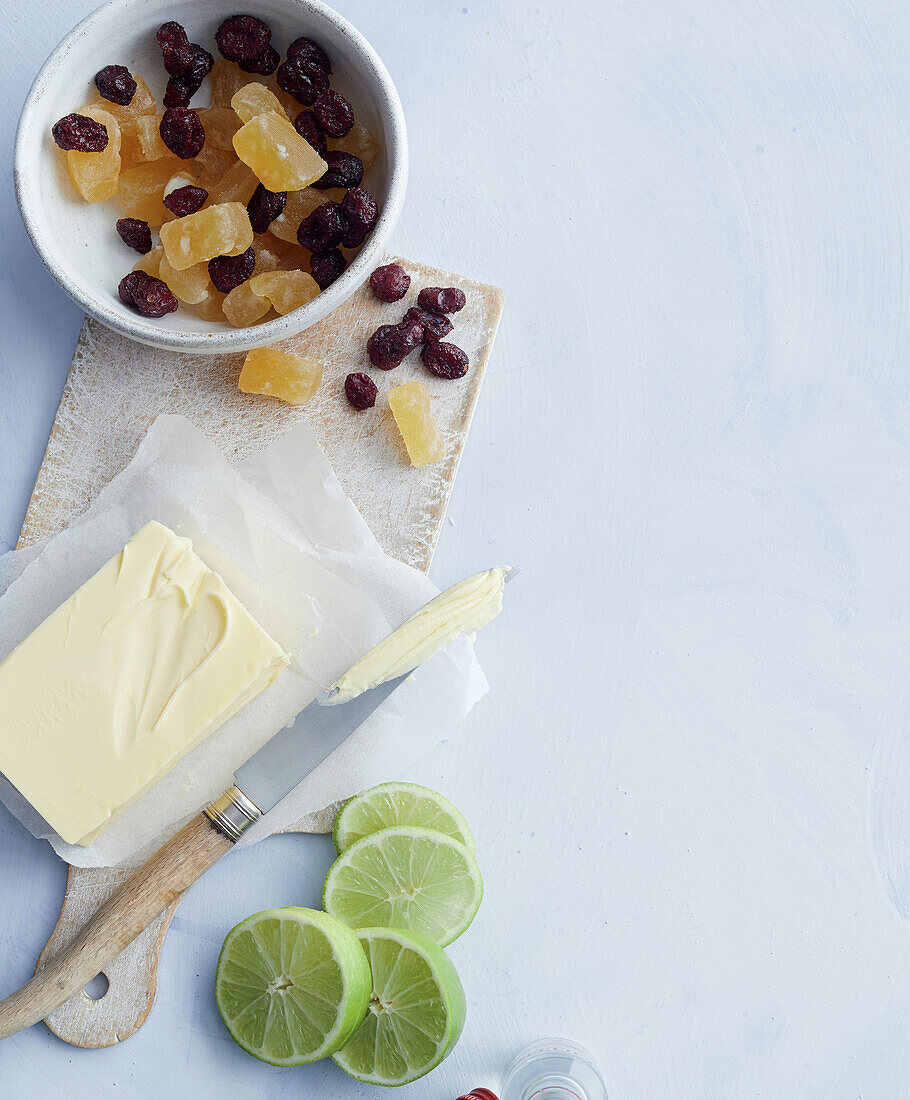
[(295, 550)]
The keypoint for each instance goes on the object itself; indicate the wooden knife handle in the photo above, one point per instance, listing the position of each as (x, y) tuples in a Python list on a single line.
[(148, 890)]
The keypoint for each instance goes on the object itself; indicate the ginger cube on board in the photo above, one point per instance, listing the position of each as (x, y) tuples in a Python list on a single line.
[(225, 78), (359, 142), (255, 99), (191, 285), (220, 125), (286, 290), (236, 185), (277, 154), (222, 230), (141, 190), (280, 374), (148, 131), (150, 263), (96, 175), (410, 405)]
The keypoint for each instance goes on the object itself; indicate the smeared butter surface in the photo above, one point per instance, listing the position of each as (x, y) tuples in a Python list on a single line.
[(465, 607), (137, 667)]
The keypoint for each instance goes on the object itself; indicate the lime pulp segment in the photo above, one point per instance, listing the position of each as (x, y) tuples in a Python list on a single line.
[(292, 985), (398, 804), (416, 1013)]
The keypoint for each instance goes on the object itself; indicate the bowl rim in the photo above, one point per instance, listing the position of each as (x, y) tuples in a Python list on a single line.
[(241, 339)]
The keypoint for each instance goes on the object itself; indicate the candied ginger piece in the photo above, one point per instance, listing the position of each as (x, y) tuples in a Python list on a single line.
[(222, 230), (277, 154), (96, 175), (220, 125), (150, 262), (236, 185), (410, 405), (359, 142), (191, 285), (241, 306), (151, 147), (255, 99), (280, 374), (291, 107), (226, 78), (299, 205), (211, 164), (142, 189), (210, 308), (286, 290)]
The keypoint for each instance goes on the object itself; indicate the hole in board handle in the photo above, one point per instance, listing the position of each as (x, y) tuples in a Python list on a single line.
[(97, 987)]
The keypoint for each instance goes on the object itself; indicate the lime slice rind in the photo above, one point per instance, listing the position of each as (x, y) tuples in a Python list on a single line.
[(397, 803), (392, 1047), (292, 985), (408, 878)]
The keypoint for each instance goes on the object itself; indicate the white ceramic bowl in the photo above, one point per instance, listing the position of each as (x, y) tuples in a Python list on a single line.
[(78, 242)]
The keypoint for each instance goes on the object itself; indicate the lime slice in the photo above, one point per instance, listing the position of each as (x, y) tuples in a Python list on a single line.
[(416, 1011), (414, 879), (292, 985), (398, 804)]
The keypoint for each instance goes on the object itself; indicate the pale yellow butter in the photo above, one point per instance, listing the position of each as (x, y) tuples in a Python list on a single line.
[(144, 661)]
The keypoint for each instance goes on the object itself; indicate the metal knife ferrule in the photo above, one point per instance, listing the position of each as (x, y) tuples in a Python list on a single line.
[(233, 813)]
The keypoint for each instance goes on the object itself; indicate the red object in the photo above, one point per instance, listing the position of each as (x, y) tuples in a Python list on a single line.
[(479, 1094)]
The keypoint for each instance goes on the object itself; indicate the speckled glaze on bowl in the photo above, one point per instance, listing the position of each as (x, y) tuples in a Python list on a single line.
[(77, 241)]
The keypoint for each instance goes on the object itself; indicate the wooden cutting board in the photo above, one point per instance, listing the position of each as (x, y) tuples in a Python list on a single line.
[(114, 391)]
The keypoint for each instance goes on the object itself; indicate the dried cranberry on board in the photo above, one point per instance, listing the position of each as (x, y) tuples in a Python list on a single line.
[(325, 267), (182, 132), (309, 50), (150, 296), (135, 233), (437, 299), (185, 200), (435, 325), (360, 390), (170, 35), (344, 170), (263, 65), (335, 114), (444, 360), (115, 84), (242, 37), (81, 133), (389, 344), (179, 92), (226, 272), (307, 125), (323, 229), (264, 207), (390, 283), (359, 211), (301, 79)]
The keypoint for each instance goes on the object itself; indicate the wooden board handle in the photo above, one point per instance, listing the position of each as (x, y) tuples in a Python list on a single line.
[(149, 890)]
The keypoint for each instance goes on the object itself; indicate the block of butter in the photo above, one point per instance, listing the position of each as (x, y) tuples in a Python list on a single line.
[(139, 665)]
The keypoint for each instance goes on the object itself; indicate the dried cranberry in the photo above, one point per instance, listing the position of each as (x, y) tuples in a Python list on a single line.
[(171, 35), (360, 390), (344, 170), (325, 267), (81, 133), (307, 125), (360, 211), (136, 234), (302, 79), (334, 113), (323, 229), (309, 50), (185, 200), (115, 84), (436, 299), (389, 344), (182, 132), (179, 92), (264, 207), (435, 325), (390, 283), (226, 272), (264, 65), (444, 360), (149, 295), (190, 63), (242, 37)]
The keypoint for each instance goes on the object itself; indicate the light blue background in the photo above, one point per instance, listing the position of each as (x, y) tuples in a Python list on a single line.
[(689, 784)]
